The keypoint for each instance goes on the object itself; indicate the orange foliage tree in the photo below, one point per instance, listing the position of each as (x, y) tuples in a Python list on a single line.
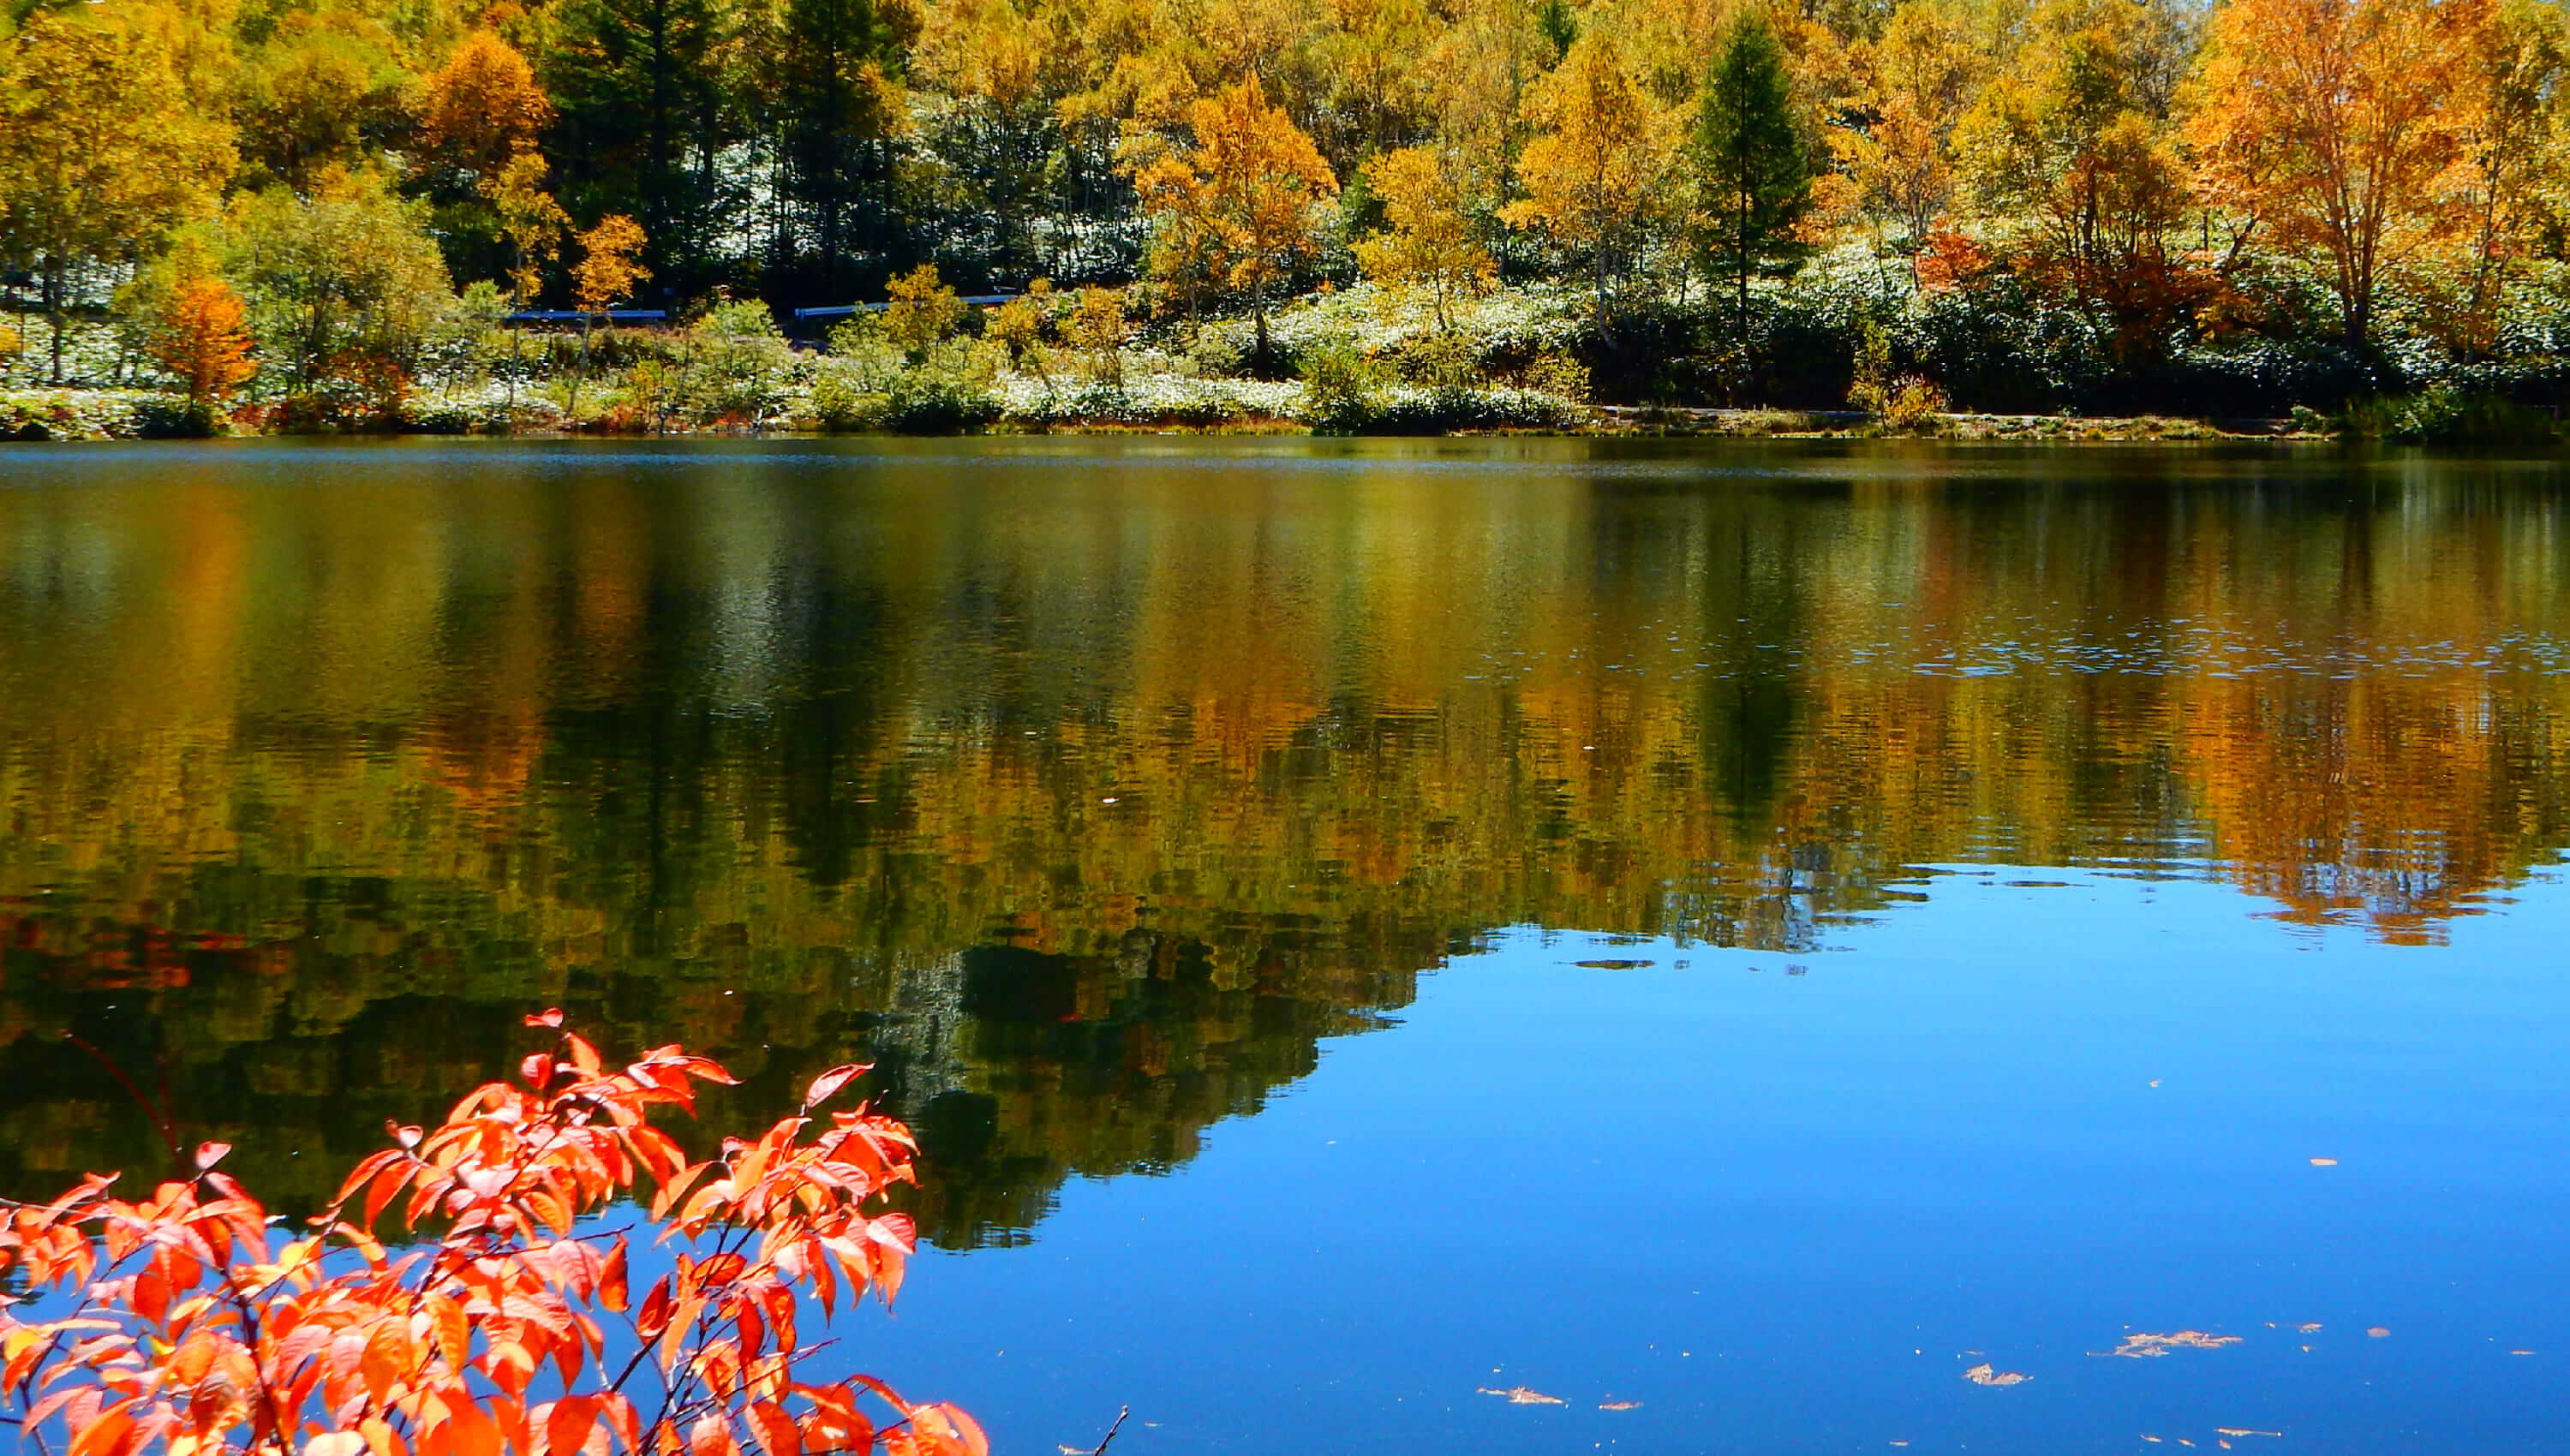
[(2328, 121), (482, 106), (185, 1323), (200, 338), (1239, 205)]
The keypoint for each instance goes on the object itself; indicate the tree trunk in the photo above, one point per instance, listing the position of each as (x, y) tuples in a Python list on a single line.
[(1258, 305), (54, 310), (1601, 289), (579, 376)]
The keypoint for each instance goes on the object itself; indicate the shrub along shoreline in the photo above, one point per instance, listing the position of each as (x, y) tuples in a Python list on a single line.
[(37, 415), (1360, 361)]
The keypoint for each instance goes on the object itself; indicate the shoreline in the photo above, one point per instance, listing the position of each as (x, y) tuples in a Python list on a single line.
[(71, 415)]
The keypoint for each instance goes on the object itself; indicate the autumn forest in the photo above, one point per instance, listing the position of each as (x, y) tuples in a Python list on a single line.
[(1350, 215)]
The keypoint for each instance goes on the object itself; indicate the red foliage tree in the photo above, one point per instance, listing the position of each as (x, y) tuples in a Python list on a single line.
[(182, 1322)]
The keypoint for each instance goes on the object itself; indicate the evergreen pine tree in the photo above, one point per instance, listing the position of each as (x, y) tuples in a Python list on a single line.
[(1755, 166)]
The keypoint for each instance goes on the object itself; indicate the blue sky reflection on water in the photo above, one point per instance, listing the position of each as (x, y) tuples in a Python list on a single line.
[(1786, 1212)]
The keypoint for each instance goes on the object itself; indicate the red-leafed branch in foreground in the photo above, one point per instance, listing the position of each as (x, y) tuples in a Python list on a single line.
[(182, 1322)]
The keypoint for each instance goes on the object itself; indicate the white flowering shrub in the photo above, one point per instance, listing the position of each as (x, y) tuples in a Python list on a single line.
[(1160, 398), (92, 414)]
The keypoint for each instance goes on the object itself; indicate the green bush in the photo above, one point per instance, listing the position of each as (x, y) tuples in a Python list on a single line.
[(923, 402), (175, 417), (2444, 415), (1343, 387)]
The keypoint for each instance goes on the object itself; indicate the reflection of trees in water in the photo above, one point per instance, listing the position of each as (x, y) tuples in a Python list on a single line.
[(1091, 804), (1020, 1067)]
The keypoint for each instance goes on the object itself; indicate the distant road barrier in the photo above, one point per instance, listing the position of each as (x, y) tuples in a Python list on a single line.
[(842, 310), (568, 315)]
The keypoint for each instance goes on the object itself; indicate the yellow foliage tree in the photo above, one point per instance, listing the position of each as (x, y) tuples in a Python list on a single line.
[(1593, 173), (2508, 179), (922, 312), (609, 264), (101, 150), (2073, 168), (1429, 244), (1096, 329), (1238, 208), (532, 223), (1019, 326), (2326, 122), (1373, 59), (1476, 74), (1918, 79), (483, 107), (608, 268)]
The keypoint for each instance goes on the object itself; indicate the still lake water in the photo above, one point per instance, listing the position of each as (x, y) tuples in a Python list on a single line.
[(1750, 932)]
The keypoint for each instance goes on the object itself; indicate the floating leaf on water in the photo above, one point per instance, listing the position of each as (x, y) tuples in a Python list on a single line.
[(2146, 1346), (1985, 1375), (2325, 1162), (1620, 1406), (1523, 1395), (2313, 1328), (2378, 1333), (2243, 1431), (1615, 965), (2520, 1352)]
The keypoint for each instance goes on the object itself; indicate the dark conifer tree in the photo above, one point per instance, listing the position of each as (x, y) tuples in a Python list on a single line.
[(1754, 163), (834, 66), (641, 120)]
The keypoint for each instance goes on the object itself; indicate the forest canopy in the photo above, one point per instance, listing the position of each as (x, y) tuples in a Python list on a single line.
[(2020, 203)]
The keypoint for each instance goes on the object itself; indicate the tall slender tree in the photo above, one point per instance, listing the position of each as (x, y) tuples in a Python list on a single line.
[(839, 106), (1754, 164), (1593, 172)]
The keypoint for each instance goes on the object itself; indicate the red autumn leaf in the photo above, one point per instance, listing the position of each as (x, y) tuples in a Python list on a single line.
[(711, 1436), (566, 1427), (827, 1085), (774, 1430), (610, 1280)]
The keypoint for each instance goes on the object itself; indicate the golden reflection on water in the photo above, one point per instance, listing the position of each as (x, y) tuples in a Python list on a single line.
[(1089, 792)]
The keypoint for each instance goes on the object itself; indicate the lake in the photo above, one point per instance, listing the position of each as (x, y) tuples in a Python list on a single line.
[(1719, 939)]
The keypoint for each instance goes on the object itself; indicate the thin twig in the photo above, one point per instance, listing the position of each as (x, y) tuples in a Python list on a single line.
[(161, 1122), (1100, 1448)]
